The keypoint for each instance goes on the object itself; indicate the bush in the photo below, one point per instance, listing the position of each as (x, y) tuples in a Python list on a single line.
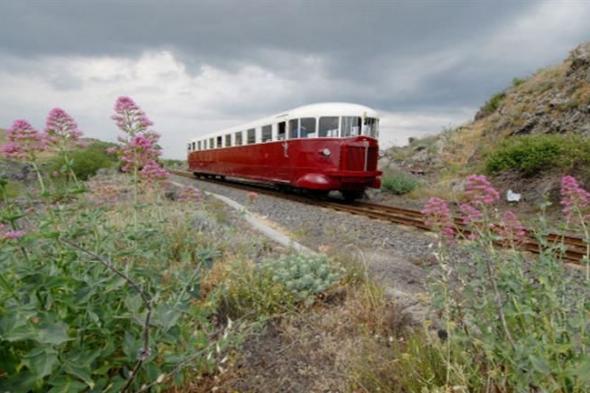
[(399, 184), (87, 161), (532, 153), (70, 323), (493, 103), (303, 275)]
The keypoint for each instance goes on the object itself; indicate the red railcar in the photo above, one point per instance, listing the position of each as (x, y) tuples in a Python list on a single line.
[(321, 147)]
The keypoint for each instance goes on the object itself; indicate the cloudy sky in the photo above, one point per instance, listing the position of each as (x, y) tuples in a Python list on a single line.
[(196, 66)]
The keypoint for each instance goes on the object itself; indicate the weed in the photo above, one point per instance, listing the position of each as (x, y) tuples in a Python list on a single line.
[(493, 103)]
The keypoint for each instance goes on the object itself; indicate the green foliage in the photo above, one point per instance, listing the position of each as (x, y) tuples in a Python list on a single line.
[(533, 153), (494, 103), (69, 323), (508, 325), (517, 82), (250, 292), (173, 164), (303, 275), (399, 183), (85, 162)]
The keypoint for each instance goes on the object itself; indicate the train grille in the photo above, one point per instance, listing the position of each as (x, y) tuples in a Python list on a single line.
[(354, 158)]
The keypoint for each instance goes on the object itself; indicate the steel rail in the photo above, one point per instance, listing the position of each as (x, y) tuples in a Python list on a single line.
[(574, 251)]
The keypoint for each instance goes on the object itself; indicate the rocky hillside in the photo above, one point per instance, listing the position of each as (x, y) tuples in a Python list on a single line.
[(554, 100)]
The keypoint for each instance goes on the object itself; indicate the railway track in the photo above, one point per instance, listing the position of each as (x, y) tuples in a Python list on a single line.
[(574, 249)]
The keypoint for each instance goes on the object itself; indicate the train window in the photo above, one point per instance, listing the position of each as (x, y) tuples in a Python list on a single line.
[(371, 127), (193, 146), (238, 138), (228, 140), (307, 127), (266, 133), (281, 128), (328, 127), (205, 144), (211, 143), (251, 136), (199, 145), (293, 128), (351, 126), (189, 147)]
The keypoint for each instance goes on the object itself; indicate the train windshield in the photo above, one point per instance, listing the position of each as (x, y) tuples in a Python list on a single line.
[(371, 127), (351, 126)]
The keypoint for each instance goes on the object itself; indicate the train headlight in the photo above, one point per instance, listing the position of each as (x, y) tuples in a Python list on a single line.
[(326, 152)]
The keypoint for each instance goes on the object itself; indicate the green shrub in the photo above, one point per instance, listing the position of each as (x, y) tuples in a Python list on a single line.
[(494, 103), (70, 323), (532, 153), (399, 183), (303, 275), (87, 161), (517, 82)]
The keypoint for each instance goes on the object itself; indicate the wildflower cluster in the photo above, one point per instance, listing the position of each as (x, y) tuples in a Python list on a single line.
[(510, 228), (574, 198), (152, 172), (438, 216), (10, 234), (480, 191), (139, 148), (24, 142), (61, 129)]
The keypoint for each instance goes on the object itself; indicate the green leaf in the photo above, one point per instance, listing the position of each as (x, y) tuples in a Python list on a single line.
[(80, 371), (66, 384), (54, 333), (41, 361)]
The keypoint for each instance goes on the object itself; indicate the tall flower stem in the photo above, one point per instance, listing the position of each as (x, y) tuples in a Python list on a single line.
[(39, 176)]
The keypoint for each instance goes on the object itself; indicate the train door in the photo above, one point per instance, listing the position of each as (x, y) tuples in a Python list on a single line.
[(283, 169)]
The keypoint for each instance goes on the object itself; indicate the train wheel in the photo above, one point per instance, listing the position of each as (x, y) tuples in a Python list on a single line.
[(351, 195)]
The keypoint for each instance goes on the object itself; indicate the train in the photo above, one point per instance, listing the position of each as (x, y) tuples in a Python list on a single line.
[(317, 148)]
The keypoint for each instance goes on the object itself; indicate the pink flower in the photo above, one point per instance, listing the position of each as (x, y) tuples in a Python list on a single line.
[(511, 228), (13, 235), (153, 172), (573, 197), (140, 146), (438, 216), (129, 117), (480, 191), (112, 150), (61, 128), (470, 214), (24, 142)]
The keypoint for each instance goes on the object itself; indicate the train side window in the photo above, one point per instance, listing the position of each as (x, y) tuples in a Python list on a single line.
[(281, 128), (211, 143), (307, 127), (251, 136), (193, 146), (293, 128), (238, 138), (219, 141), (351, 126), (228, 140), (199, 145), (205, 144), (371, 127), (266, 133), (189, 147), (328, 127)]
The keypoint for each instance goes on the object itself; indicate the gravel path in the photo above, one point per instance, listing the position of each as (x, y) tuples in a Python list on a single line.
[(398, 257)]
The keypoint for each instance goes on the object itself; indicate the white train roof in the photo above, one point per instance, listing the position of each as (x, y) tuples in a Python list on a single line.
[(313, 110)]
